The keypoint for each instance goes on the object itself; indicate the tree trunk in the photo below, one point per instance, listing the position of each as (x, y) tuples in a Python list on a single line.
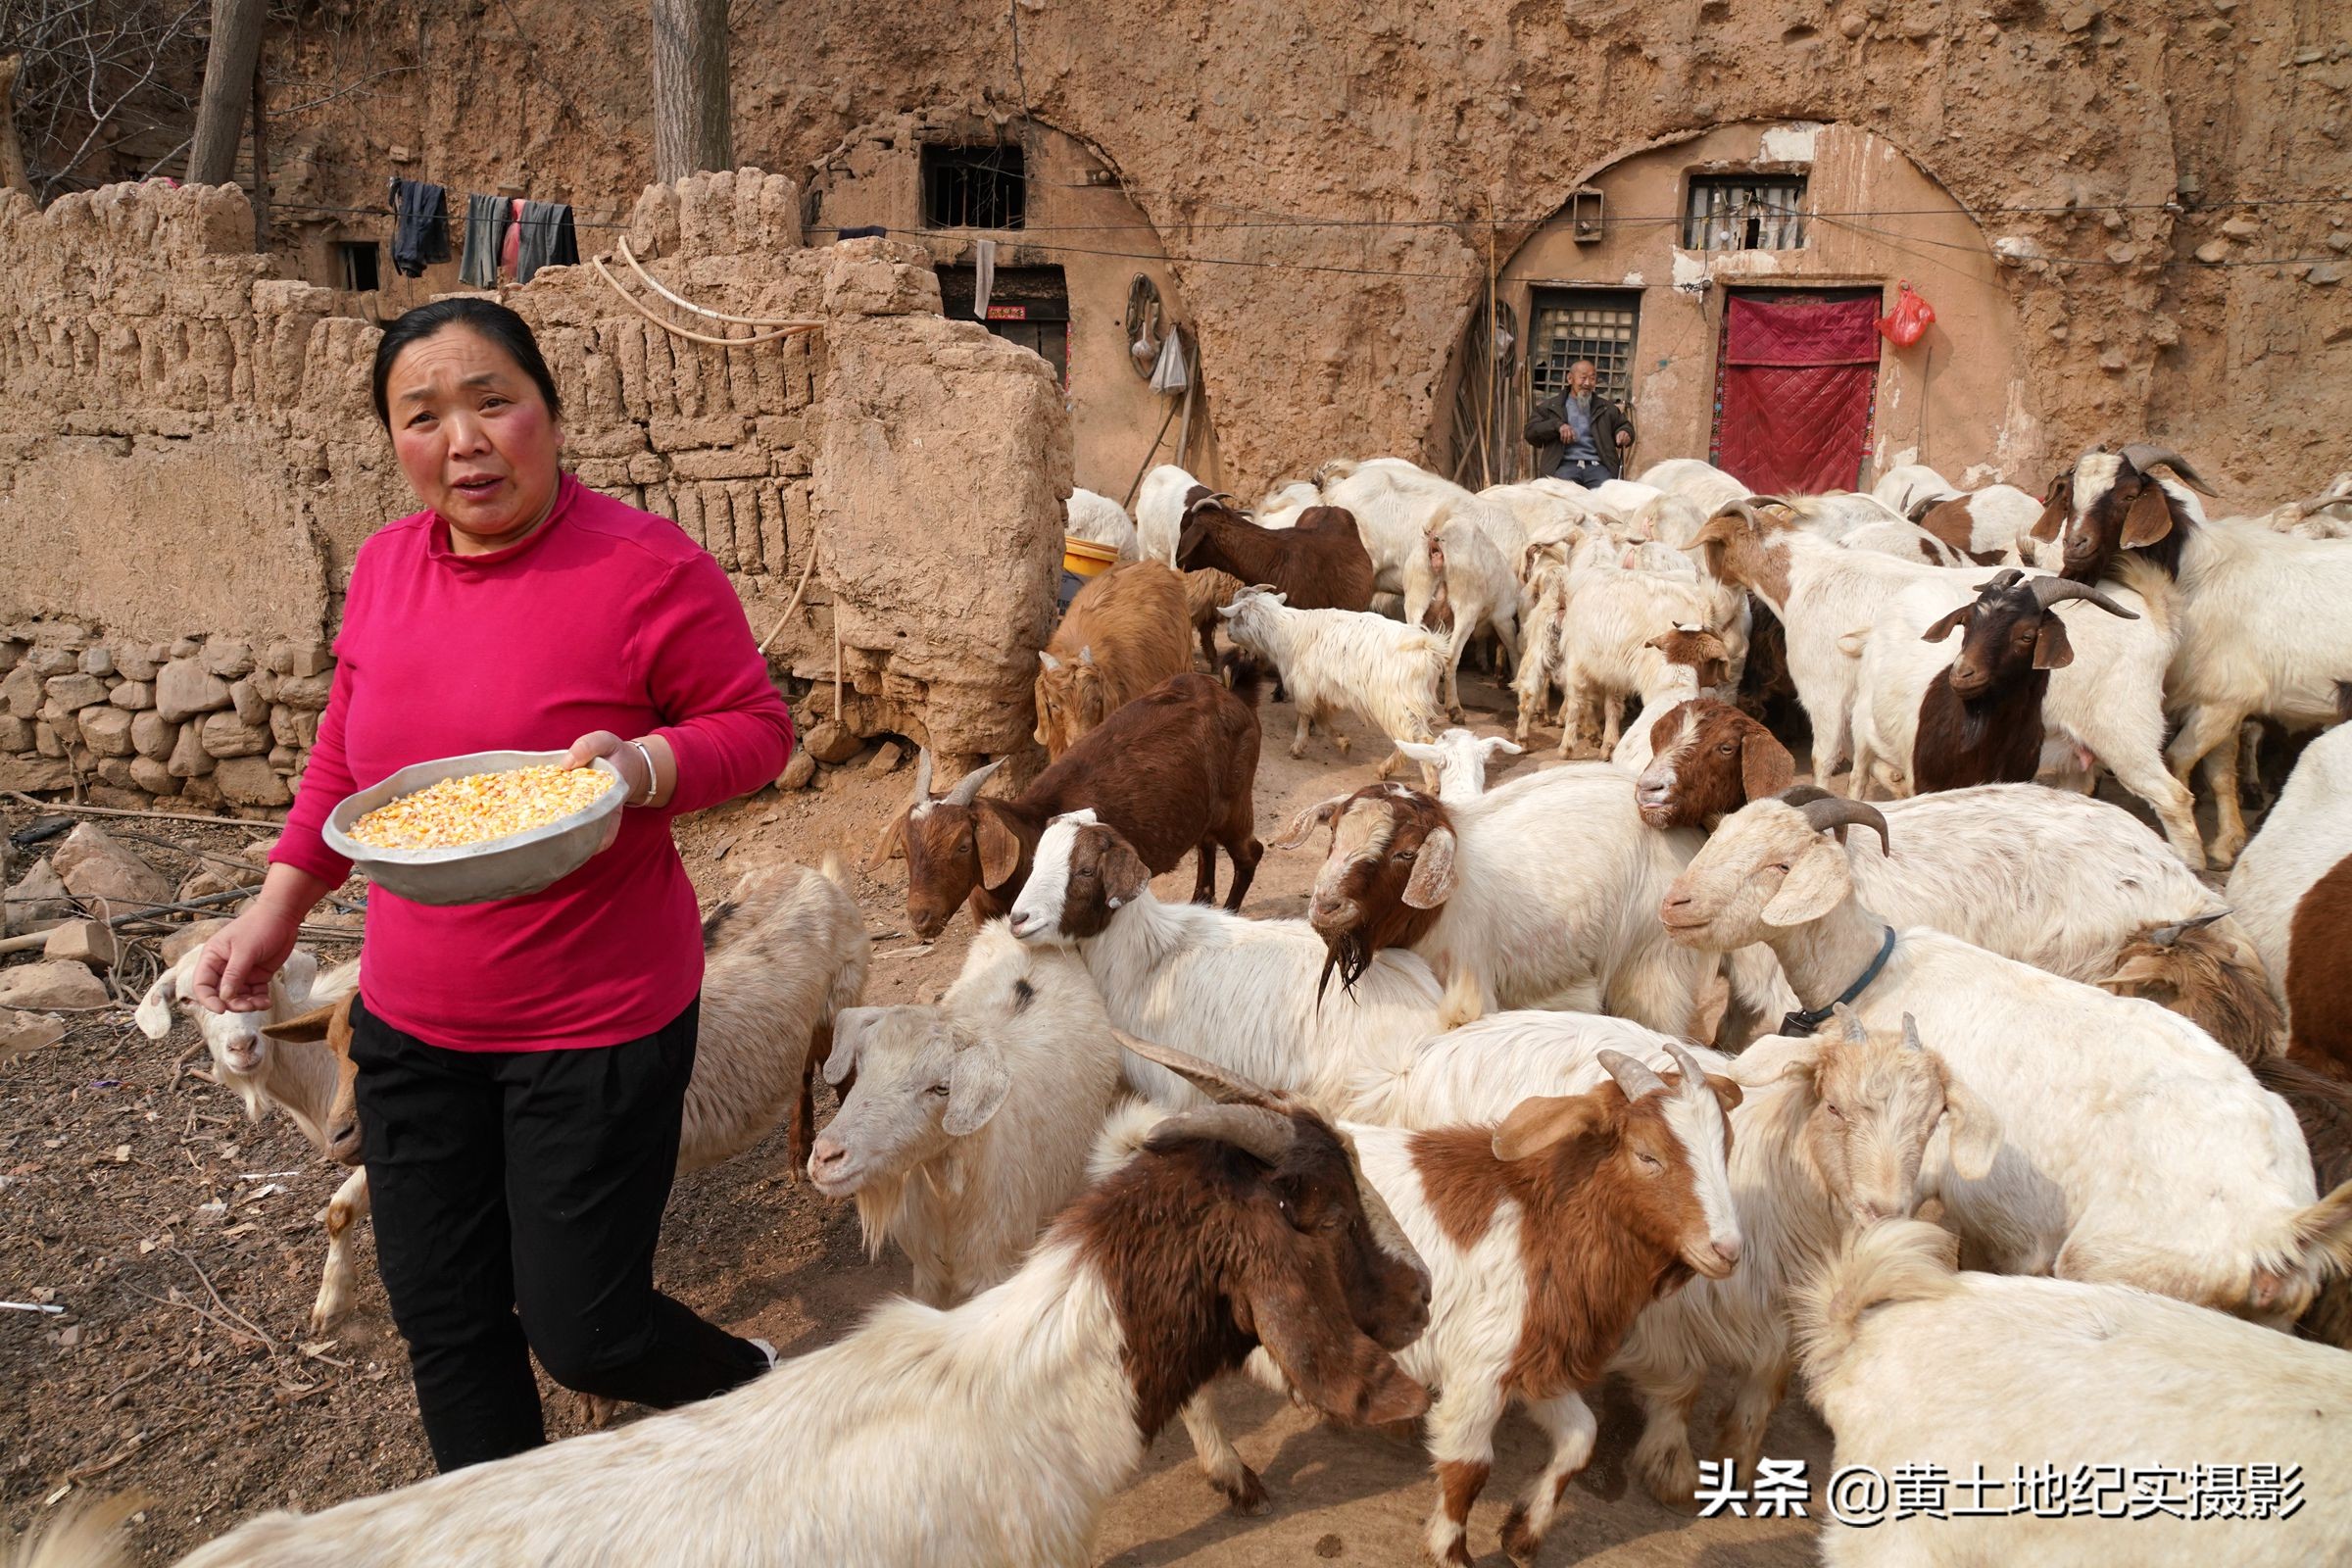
[(261, 160), (12, 151), (693, 119), (228, 66)]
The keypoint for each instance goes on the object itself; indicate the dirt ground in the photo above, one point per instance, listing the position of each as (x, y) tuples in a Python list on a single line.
[(182, 1241)]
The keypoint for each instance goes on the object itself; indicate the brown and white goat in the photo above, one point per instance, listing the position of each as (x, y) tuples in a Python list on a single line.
[(1980, 718), (1544, 1236), (990, 1435), (1206, 591), (1708, 759), (1125, 633), (1319, 563), (1172, 770)]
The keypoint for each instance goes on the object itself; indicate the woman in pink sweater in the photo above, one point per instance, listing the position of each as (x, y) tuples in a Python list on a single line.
[(522, 1064)]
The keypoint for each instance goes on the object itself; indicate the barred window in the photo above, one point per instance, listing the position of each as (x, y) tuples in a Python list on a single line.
[(1597, 325), (975, 188), (1745, 212)]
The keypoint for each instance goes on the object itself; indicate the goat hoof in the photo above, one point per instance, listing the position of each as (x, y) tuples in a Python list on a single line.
[(1520, 1543), (1247, 1495), (1670, 1478)]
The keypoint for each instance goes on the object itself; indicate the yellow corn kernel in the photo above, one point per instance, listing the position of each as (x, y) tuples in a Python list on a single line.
[(481, 807)]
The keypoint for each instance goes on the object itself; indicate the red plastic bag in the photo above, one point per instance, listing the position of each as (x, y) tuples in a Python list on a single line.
[(1910, 319)]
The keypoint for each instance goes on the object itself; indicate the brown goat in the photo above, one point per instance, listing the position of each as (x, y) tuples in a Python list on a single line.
[(1172, 771), (2323, 1107), (1125, 633), (1319, 564), (1708, 759), (2318, 981), (1205, 591), (1980, 718), (2210, 975)]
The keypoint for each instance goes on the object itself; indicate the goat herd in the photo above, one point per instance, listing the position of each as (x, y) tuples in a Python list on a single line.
[(1139, 1144)]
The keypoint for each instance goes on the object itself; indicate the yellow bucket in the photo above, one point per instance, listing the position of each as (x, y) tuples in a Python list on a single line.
[(1085, 558)]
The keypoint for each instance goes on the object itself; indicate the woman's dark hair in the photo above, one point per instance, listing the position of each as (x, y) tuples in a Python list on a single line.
[(488, 318)]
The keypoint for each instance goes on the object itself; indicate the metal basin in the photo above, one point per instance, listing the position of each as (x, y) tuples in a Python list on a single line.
[(495, 868)]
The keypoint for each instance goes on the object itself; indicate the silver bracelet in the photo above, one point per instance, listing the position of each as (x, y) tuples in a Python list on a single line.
[(653, 777)]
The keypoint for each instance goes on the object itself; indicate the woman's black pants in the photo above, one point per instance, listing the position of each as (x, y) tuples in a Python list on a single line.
[(517, 1197)]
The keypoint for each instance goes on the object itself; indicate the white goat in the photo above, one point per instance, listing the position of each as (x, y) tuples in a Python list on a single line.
[(967, 1124), (1461, 560), (1914, 1365), (1541, 894), (1695, 480), (1159, 511), (1241, 994), (2203, 1191), (1282, 505), (1345, 660), (1905, 541), (1907, 484), (1395, 502), (1460, 758), (1599, 621), (1103, 521), (990, 1435)]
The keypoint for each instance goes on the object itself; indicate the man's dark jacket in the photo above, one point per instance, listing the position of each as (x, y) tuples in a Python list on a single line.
[(1543, 433)]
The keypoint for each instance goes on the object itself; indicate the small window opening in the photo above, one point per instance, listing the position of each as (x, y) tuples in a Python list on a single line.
[(1745, 212), (975, 188), (358, 259)]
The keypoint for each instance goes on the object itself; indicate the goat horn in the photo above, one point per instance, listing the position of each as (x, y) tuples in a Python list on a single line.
[(967, 788), (1635, 1078), (2007, 577), (1264, 1134), (2048, 591), (1850, 1023), (1225, 1087), (1911, 1040), (1694, 1074), (2162, 936), (1837, 811), (922, 775), (2143, 457)]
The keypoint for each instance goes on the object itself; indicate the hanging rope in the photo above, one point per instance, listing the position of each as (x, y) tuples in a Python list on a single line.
[(683, 303), (795, 330)]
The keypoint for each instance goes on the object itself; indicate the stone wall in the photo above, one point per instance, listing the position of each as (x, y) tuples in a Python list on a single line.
[(192, 462)]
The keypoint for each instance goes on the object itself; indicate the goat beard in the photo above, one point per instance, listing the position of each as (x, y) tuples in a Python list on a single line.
[(1349, 953)]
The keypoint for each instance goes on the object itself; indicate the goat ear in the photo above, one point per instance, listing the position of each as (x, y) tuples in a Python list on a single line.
[(1948, 624), (1816, 882), (847, 1025), (2051, 648), (1322, 1354), (2149, 517), (1497, 743), (1190, 539), (891, 845), (1304, 825), (977, 1085), (1432, 881), (154, 1016), (1727, 1092), (1000, 846), (1537, 1123), (306, 1029), (2055, 506), (1777, 1060), (1975, 1132), (1124, 874), (1765, 765)]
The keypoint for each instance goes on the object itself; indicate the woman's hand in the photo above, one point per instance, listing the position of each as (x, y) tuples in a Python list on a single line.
[(629, 758), (234, 972)]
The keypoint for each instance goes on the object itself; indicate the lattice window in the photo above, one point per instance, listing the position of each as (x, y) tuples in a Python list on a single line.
[(975, 188), (1573, 324), (1745, 212)]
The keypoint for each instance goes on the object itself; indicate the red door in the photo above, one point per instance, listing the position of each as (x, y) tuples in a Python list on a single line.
[(1793, 390)]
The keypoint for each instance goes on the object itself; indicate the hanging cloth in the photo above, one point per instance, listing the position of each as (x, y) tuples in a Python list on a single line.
[(1172, 375), (549, 239), (509, 242), (983, 276), (419, 226), (485, 227)]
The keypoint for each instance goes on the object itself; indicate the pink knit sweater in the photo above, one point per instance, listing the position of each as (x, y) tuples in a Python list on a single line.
[(606, 617)]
